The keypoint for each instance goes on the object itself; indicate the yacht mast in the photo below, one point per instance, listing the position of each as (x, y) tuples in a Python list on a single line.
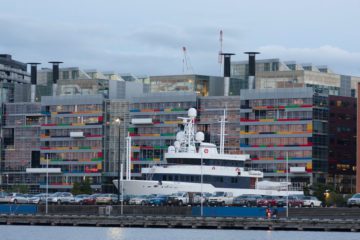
[(222, 132)]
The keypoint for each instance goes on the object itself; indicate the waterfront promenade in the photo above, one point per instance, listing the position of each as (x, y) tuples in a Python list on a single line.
[(301, 219)]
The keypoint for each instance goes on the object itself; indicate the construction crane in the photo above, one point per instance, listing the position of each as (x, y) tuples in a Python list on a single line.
[(187, 67)]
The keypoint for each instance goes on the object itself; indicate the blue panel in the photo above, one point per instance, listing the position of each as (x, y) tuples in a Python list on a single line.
[(18, 209), (231, 211)]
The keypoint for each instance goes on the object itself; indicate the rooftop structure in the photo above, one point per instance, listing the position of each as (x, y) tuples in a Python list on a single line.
[(274, 73)]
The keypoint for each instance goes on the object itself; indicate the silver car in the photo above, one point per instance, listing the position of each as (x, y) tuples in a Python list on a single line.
[(4, 197), (38, 198), (354, 200), (61, 197), (18, 198), (139, 200)]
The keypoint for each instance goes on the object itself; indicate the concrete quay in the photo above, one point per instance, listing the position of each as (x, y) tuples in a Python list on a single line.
[(169, 221)]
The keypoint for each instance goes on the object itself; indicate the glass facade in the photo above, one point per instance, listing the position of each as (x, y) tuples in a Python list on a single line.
[(210, 111), (21, 144), (154, 123), (277, 123), (72, 139), (182, 83)]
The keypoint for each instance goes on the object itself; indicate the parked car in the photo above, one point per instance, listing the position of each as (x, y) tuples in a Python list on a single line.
[(61, 197), (295, 201), (268, 201), (248, 200), (4, 197), (18, 198), (140, 200), (158, 200), (197, 199), (126, 199), (354, 200), (79, 198), (107, 198), (280, 201), (38, 198), (90, 200), (310, 201), (179, 198), (221, 199)]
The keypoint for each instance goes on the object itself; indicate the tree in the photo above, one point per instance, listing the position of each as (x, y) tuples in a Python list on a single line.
[(82, 188), (19, 188), (85, 186), (76, 188)]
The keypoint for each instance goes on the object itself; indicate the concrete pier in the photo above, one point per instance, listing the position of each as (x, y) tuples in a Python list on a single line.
[(294, 224)]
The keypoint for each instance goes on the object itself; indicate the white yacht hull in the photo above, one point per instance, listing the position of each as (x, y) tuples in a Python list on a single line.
[(147, 187)]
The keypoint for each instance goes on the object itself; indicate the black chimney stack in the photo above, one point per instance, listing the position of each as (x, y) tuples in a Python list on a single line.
[(55, 74), (55, 65), (33, 70), (227, 70), (252, 65)]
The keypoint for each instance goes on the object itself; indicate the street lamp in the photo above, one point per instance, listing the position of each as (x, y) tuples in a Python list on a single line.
[(287, 184), (202, 180), (120, 165)]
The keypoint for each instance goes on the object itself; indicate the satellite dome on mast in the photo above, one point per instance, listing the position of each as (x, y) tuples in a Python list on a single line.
[(199, 137), (192, 112)]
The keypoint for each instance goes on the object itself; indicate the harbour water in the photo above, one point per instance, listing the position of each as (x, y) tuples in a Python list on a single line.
[(93, 233)]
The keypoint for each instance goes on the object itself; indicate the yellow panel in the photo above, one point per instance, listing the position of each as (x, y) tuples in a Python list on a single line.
[(309, 165)]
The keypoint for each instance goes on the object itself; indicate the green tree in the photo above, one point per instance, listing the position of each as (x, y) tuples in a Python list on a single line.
[(319, 190), (76, 188), (19, 188), (85, 186), (82, 188)]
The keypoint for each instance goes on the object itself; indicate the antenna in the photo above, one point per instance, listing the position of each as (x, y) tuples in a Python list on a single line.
[(187, 68), (221, 50)]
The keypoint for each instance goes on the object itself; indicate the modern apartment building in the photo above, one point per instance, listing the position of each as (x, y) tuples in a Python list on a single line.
[(72, 139), (342, 143), (153, 125), (276, 125), (14, 80), (210, 111), (20, 145)]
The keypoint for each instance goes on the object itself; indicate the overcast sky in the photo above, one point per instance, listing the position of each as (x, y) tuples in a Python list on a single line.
[(147, 36)]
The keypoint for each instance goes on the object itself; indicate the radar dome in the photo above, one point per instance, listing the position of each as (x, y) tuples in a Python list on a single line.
[(180, 136), (199, 137), (192, 112), (171, 149), (177, 144)]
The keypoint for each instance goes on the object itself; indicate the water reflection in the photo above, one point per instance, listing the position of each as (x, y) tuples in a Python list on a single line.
[(92, 233)]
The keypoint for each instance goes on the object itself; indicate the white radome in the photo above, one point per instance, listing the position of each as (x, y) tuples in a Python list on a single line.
[(177, 144), (180, 136), (192, 112), (200, 137), (171, 149)]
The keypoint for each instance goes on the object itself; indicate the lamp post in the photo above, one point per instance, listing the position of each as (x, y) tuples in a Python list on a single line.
[(47, 184), (120, 166), (287, 184), (202, 197)]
